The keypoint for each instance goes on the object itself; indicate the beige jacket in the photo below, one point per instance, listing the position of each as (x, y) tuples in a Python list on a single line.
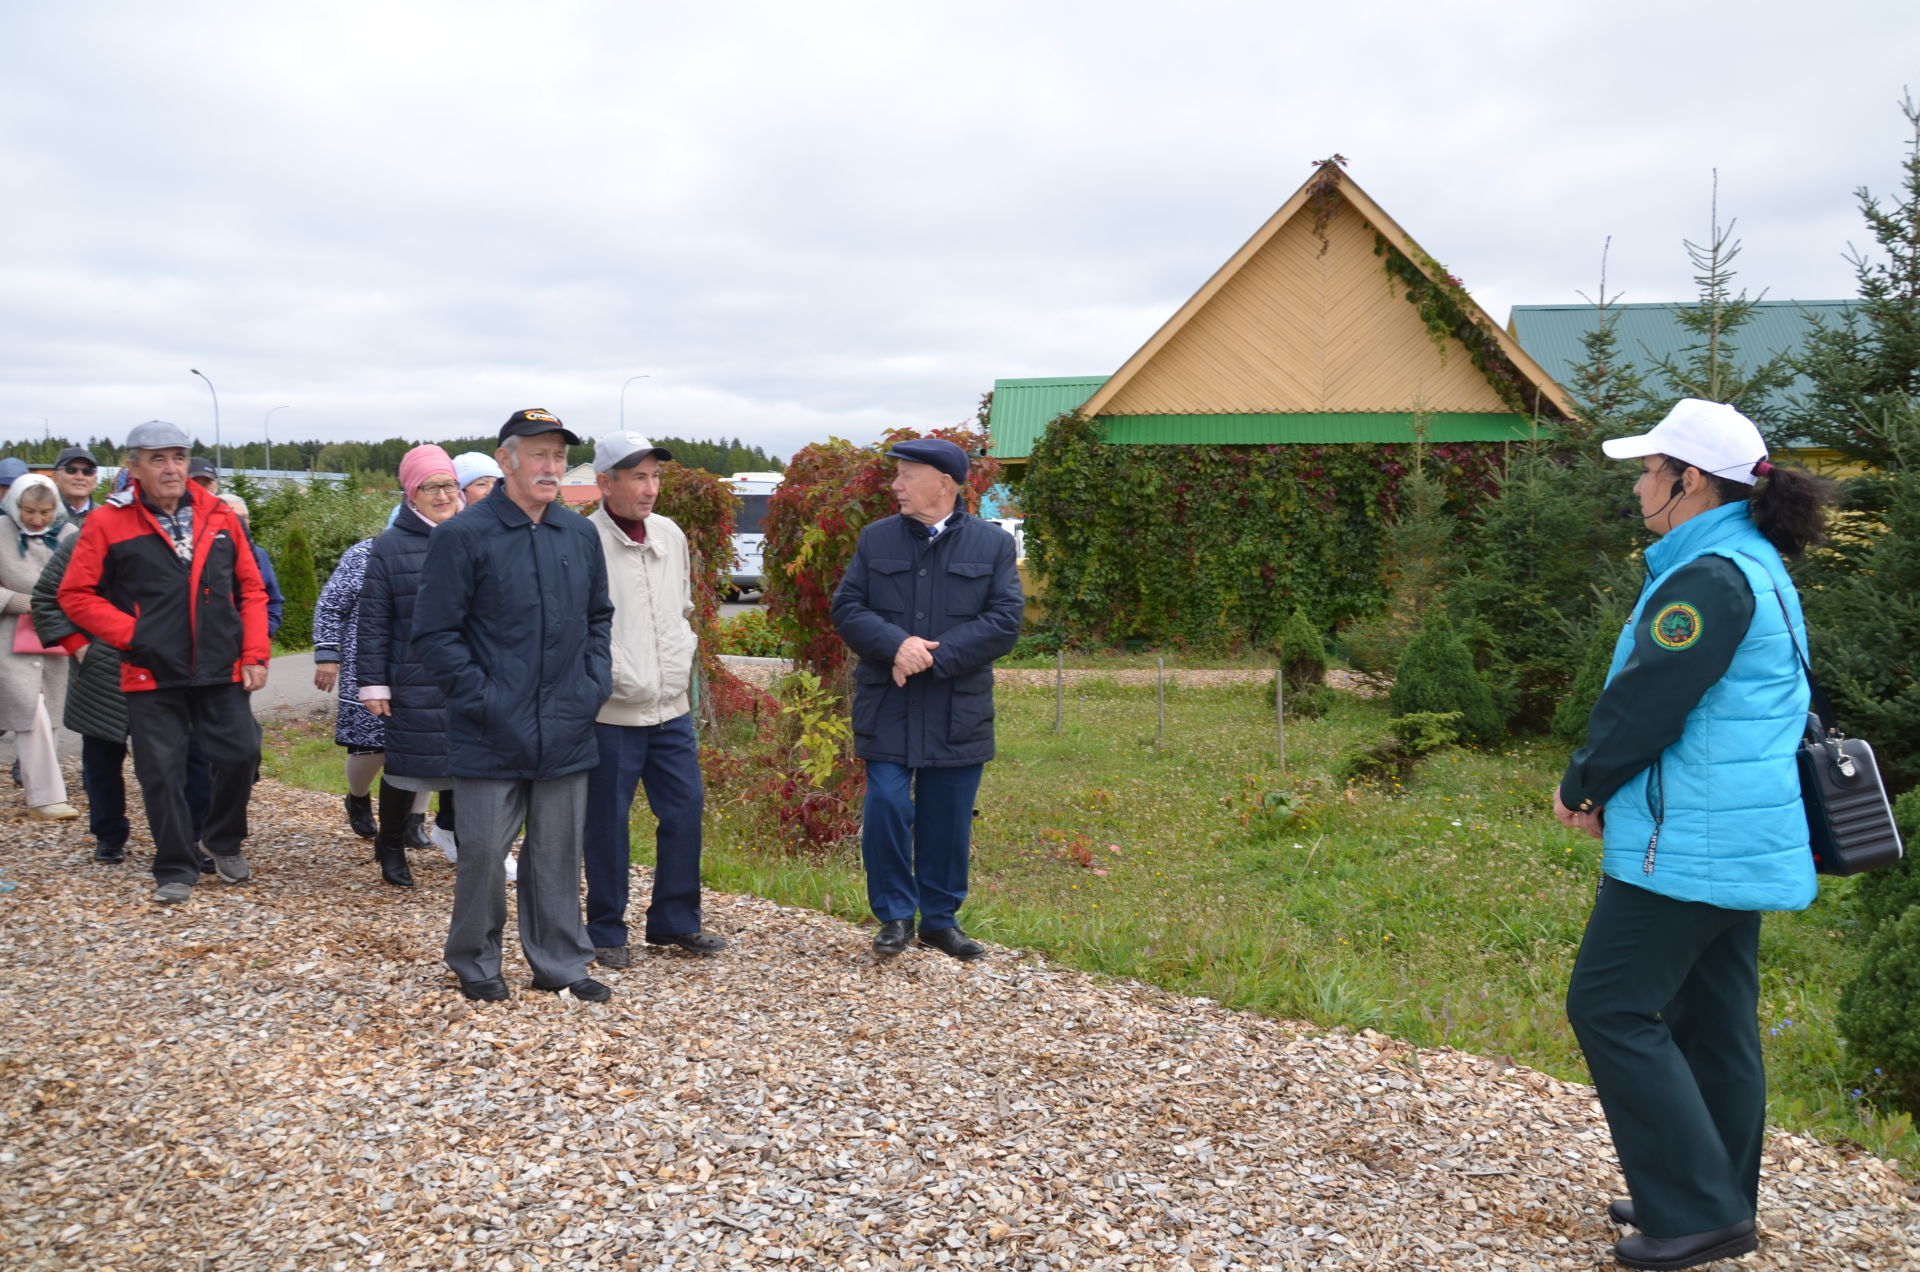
[(653, 643)]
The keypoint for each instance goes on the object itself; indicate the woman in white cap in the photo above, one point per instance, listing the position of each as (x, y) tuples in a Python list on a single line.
[(477, 475), (1689, 777), (29, 680)]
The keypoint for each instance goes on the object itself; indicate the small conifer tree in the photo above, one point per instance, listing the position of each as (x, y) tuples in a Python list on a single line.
[(1437, 675), (300, 585), (1879, 1012)]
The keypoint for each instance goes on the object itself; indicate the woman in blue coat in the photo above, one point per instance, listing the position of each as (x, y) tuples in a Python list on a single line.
[(392, 683), (1689, 777)]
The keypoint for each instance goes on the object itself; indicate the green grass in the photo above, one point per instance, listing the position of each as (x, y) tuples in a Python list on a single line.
[(1447, 913)]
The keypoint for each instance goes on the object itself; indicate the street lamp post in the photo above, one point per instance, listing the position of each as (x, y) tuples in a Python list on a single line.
[(266, 430), (623, 399), (216, 419)]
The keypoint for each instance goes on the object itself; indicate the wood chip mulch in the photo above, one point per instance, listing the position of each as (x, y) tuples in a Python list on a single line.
[(280, 1075)]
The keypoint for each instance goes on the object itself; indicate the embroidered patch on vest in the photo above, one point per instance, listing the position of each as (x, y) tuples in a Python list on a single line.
[(1676, 627)]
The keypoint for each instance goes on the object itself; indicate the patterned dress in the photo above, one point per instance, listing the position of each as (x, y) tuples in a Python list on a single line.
[(336, 630)]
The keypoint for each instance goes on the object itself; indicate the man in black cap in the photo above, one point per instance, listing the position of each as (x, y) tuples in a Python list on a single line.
[(202, 473), (931, 598), (512, 622), (76, 473)]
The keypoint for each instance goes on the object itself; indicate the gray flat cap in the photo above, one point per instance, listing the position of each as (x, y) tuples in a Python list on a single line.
[(157, 435)]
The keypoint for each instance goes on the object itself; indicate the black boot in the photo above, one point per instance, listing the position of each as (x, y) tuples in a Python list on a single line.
[(360, 815), (393, 866), (390, 848), (417, 836)]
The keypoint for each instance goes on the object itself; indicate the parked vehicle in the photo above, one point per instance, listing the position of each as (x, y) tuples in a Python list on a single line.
[(754, 490)]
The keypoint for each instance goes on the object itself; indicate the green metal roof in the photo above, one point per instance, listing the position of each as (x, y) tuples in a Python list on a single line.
[(1648, 332), (1022, 409)]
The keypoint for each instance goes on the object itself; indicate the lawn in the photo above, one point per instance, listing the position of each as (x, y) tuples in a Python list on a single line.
[(1445, 913)]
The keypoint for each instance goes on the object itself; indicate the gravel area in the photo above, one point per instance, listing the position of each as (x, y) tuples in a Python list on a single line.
[(280, 1075)]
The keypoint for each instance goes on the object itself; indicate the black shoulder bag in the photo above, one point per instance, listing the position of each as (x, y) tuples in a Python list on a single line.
[(1849, 821)]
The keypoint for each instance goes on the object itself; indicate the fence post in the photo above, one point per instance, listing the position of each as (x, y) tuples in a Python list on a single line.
[(1160, 700), (1280, 719), (1059, 687)]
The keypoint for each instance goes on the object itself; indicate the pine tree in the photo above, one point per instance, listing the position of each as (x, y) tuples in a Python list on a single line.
[(1862, 366), (1710, 367)]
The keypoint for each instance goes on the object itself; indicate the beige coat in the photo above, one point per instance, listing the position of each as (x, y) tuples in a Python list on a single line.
[(25, 677), (651, 585)]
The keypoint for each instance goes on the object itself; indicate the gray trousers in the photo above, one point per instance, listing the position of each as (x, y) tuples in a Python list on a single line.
[(552, 936)]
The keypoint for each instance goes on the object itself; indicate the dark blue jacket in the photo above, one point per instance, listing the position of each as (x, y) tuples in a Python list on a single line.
[(416, 732), (962, 590), (512, 622), (276, 600)]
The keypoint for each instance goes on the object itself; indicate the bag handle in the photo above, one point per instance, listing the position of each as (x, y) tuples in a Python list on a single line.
[(1822, 707)]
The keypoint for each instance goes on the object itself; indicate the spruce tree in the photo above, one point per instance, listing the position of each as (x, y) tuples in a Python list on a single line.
[(1436, 674), (1862, 366)]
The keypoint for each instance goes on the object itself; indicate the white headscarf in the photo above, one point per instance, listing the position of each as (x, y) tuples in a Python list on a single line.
[(11, 506)]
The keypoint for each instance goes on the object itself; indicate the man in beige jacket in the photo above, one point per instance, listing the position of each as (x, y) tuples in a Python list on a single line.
[(645, 730)]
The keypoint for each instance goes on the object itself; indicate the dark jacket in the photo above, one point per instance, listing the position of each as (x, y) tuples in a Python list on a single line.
[(512, 622), (179, 623), (962, 590), (95, 704), (276, 600), (416, 732)]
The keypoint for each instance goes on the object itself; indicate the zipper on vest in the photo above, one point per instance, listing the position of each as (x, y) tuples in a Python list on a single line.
[(1657, 805)]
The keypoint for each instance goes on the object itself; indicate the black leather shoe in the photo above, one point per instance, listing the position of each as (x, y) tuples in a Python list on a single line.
[(893, 937), (586, 989), (484, 991), (614, 956), (393, 867), (417, 831), (1621, 1212), (111, 854), (1665, 1254), (953, 943), (697, 942), (360, 815)]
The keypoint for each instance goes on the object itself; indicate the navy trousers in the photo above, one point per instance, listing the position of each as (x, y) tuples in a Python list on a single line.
[(103, 776), (1665, 1001), (917, 836), (665, 759)]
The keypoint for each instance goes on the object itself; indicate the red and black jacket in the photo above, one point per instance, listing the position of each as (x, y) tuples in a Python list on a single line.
[(176, 624)]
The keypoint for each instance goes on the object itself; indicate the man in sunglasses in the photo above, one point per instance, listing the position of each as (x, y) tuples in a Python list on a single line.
[(76, 473)]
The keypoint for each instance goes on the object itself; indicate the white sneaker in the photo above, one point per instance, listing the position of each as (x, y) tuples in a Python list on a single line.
[(513, 868), (447, 845)]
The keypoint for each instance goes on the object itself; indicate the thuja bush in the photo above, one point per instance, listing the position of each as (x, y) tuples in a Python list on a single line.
[(832, 491), (300, 585), (1879, 1012), (1212, 547), (1437, 675)]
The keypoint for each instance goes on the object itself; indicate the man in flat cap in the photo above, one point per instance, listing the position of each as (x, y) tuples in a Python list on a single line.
[(931, 598), (163, 572), (645, 728), (512, 622), (76, 473)]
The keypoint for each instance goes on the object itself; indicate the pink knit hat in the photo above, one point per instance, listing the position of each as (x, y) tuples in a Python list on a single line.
[(421, 463)]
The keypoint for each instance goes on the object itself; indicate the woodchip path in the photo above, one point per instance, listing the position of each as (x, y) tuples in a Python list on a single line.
[(280, 1075)]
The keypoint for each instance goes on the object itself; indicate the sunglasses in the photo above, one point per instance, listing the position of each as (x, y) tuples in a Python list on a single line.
[(77, 469)]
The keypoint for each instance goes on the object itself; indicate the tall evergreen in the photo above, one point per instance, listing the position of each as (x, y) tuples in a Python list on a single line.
[(1862, 366)]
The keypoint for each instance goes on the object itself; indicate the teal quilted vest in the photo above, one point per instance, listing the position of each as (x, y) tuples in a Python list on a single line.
[(1717, 818)]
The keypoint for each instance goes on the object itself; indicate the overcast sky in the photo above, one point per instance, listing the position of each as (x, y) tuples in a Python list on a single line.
[(803, 220)]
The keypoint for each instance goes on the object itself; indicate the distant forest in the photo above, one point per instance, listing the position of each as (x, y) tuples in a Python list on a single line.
[(722, 457)]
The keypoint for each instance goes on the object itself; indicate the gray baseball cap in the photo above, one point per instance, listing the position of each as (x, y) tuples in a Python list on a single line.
[(157, 435), (624, 450)]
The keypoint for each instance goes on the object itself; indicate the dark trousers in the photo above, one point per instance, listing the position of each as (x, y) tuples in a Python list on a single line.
[(1665, 1000), (918, 832), (103, 777), (665, 759), (160, 722)]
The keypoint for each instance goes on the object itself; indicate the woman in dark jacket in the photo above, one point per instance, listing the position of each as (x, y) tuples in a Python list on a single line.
[(392, 683)]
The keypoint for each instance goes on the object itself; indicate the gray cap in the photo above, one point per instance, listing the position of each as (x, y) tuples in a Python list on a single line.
[(157, 435), (624, 450), (72, 453)]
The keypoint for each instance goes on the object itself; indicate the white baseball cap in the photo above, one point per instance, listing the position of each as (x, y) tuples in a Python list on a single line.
[(623, 450), (1711, 436)]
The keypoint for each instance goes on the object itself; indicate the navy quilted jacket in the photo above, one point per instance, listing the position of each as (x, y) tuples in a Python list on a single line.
[(416, 732)]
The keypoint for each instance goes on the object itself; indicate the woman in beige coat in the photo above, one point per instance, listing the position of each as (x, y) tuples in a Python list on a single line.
[(30, 682)]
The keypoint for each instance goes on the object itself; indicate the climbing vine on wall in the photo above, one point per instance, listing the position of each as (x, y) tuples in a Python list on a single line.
[(1211, 547)]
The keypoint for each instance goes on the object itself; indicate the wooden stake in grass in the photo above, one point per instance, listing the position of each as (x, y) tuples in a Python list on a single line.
[(1160, 700), (1280, 719), (1059, 688)]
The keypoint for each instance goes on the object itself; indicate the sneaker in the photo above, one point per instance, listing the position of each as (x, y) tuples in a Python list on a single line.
[(107, 853), (173, 893), (447, 844), (54, 812), (513, 868), (232, 867)]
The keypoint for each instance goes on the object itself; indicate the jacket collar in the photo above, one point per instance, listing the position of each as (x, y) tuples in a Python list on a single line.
[(602, 518), (1699, 534)]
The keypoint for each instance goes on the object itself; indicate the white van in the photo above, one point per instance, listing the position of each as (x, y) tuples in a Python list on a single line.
[(754, 490)]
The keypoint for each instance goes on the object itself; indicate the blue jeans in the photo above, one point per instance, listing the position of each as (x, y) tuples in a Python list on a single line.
[(665, 758), (919, 829)]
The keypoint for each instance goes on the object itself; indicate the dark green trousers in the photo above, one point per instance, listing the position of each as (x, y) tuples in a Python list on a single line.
[(1665, 1001)]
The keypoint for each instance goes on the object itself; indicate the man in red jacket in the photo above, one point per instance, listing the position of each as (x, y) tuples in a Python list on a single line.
[(164, 573)]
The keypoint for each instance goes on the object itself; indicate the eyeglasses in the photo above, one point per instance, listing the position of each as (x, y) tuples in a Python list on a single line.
[(79, 469), (439, 488)]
